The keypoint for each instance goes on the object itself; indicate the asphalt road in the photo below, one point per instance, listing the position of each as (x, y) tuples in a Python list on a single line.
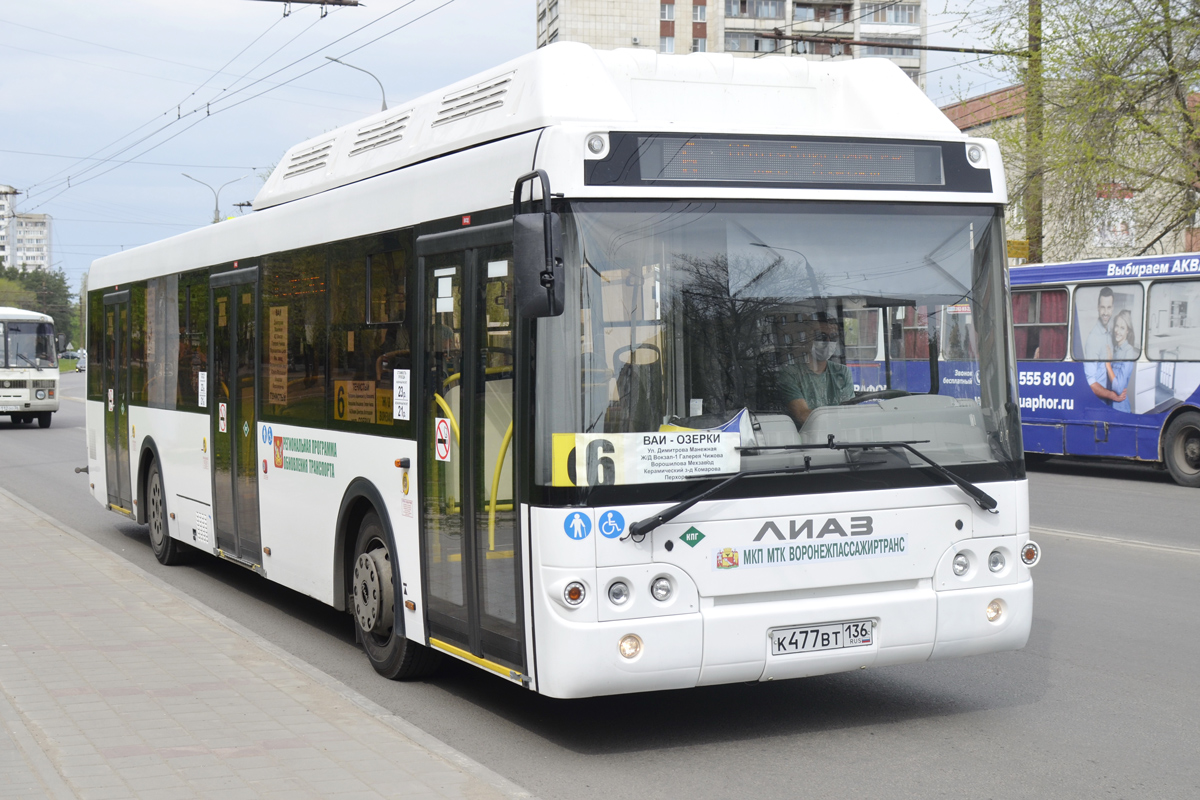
[(1101, 703)]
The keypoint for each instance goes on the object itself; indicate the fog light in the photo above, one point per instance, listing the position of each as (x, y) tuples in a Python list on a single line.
[(996, 561), (41, 394), (661, 588), (961, 564), (595, 143), (630, 646), (618, 593), (574, 593), (975, 153), (994, 610), (1030, 554)]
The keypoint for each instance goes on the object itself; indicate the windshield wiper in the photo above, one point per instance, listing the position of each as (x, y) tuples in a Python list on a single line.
[(31, 363), (981, 498), (639, 529)]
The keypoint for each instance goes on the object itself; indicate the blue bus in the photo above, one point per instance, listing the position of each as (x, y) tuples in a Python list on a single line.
[(1108, 355)]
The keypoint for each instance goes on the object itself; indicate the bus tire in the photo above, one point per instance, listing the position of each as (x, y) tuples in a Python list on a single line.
[(1181, 449), (372, 589), (44, 418), (168, 551)]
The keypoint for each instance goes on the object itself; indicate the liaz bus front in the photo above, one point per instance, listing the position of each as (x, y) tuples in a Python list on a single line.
[(774, 423)]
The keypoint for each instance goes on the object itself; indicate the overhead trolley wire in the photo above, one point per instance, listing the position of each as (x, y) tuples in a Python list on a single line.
[(209, 112)]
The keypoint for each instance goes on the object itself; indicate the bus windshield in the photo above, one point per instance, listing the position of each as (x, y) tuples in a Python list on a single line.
[(28, 345), (704, 338)]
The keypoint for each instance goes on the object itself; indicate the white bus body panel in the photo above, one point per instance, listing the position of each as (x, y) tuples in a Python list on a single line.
[(715, 627)]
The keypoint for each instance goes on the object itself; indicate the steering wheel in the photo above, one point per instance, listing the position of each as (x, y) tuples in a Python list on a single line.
[(886, 394)]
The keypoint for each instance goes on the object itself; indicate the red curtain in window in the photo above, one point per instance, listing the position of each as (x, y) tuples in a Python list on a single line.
[(1054, 338), (1021, 305), (1054, 306)]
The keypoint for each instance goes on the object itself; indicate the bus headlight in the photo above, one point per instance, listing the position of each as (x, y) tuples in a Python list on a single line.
[(630, 645), (40, 394), (961, 564), (996, 561), (661, 589), (618, 593), (574, 593)]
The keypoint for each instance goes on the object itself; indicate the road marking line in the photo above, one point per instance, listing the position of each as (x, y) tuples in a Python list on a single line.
[(68, 397), (1113, 540)]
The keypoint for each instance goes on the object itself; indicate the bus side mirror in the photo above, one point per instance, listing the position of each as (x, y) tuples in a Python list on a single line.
[(538, 286)]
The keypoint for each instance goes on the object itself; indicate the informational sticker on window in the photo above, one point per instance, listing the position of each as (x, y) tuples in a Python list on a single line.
[(222, 418), (400, 399), (202, 389), (354, 401), (277, 366), (587, 459)]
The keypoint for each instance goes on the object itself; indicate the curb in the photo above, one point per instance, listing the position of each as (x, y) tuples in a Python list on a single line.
[(393, 721)]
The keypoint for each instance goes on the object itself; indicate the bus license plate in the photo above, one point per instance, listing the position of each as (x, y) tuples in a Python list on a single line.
[(828, 636), (9, 408)]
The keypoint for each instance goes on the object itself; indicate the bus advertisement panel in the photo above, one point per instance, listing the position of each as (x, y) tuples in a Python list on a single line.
[(1109, 359)]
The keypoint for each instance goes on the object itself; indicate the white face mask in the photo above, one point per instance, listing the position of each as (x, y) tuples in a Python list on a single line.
[(823, 351)]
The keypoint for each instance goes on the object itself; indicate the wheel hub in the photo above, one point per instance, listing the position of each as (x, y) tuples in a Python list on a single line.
[(374, 606)]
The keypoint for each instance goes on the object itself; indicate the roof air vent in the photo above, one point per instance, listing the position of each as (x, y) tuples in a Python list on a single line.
[(473, 100), (308, 160), (381, 133)]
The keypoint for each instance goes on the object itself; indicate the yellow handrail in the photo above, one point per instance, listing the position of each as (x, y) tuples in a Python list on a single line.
[(487, 371), (496, 487), (449, 414)]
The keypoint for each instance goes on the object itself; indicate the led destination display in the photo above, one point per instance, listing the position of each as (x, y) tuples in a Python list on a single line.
[(708, 160)]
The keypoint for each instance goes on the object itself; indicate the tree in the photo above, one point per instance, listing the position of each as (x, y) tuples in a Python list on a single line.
[(48, 293), (1119, 150), (12, 293)]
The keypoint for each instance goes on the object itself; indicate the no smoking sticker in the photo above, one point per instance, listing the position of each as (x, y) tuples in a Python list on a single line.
[(441, 439)]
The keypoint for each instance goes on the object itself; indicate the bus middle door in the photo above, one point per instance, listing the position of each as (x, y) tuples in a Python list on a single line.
[(470, 527), (233, 391)]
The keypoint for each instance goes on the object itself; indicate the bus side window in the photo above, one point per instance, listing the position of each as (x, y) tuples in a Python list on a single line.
[(95, 345), (1173, 327), (369, 329), (1099, 309), (193, 338), (294, 337), (1040, 324)]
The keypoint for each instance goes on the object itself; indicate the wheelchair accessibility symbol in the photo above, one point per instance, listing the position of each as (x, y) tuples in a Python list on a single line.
[(612, 524), (577, 525)]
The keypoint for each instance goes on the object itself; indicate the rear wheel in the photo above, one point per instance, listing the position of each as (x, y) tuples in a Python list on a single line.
[(1181, 449), (372, 589), (44, 419), (167, 550)]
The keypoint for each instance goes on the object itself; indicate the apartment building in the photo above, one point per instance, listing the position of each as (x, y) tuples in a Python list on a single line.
[(24, 238), (843, 30)]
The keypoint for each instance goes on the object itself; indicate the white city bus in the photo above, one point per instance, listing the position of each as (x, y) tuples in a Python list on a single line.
[(28, 366), (511, 374)]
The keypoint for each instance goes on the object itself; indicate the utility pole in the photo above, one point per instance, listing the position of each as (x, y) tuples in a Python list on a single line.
[(216, 193), (1035, 123), (372, 74)]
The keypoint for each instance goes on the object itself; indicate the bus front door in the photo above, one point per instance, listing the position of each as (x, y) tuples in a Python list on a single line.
[(470, 526), (234, 432), (116, 401)]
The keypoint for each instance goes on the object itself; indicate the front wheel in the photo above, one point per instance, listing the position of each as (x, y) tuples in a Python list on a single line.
[(1181, 449), (167, 550), (372, 588), (44, 419)]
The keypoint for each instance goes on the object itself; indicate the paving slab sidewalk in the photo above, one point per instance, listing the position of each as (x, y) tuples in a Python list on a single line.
[(113, 684)]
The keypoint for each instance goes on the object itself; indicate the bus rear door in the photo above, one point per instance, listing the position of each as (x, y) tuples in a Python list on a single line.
[(116, 401)]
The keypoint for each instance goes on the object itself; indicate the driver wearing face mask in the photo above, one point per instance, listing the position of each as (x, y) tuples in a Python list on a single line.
[(816, 379)]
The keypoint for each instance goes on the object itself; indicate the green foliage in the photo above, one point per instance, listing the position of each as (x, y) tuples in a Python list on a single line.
[(45, 291), (1122, 119), (13, 294)]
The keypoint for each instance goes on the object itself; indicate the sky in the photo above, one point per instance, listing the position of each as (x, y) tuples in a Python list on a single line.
[(220, 89)]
